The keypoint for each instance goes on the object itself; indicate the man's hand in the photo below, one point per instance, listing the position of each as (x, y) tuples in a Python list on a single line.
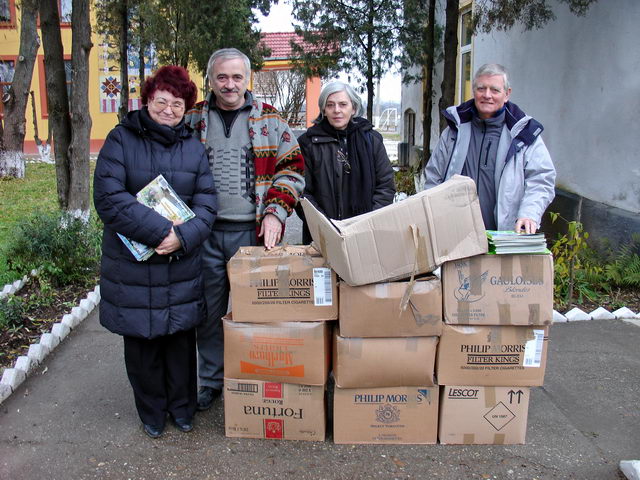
[(526, 224), (270, 230), (170, 244)]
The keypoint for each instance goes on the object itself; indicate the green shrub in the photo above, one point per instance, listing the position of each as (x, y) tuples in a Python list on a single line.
[(11, 311), (405, 180), (624, 268), (64, 249)]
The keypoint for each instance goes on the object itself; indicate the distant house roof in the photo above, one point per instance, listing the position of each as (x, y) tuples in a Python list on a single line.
[(280, 44)]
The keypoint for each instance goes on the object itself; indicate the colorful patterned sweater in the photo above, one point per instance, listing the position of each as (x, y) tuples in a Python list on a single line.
[(279, 166)]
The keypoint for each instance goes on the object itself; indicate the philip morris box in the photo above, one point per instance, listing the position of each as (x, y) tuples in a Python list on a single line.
[(292, 352), (391, 309), (290, 283), (483, 415), (383, 362), (498, 290), (404, 415), (281, 411), (492, 355), (412, 236)]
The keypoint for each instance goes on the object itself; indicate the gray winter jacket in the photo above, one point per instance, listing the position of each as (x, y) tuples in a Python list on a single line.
[(524, 175)]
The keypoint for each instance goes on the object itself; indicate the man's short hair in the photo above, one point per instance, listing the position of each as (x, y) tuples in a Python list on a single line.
[(492, 69), (335, 87), (227, 54)]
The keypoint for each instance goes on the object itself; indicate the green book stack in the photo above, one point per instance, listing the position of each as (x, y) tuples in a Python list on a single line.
[(504, 242)]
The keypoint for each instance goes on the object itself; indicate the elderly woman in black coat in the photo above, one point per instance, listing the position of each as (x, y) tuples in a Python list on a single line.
[(155, 304), (347, 170)]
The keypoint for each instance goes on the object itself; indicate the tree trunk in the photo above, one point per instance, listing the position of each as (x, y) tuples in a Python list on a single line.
[(427, 83), (78, 202), (370, 72), (124, 60), (141, 62), (14, 109), (57, 98), (15, 122), (448, 85)]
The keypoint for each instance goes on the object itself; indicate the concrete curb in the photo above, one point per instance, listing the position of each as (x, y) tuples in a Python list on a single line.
[(25, 365)]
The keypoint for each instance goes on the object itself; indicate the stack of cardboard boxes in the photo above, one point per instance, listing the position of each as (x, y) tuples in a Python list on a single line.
[(497, 312), (384, 351), (277, 343), (383, 363)]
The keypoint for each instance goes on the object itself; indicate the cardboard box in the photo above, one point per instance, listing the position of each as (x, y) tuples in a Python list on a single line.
[(383, 362), (412, 236), (492, 356), (483, 415), (376, 310), (292, 352), (291, 283), (499, 290), (405, 415), (282, 411)]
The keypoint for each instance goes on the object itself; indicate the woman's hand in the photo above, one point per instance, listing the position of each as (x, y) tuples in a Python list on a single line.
[(170, 244)]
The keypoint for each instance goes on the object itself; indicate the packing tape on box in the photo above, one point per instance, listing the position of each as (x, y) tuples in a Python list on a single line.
[(381, 290), (468, 438), (504, 313), (282, 273), (353, 346), (534, 314), (255, 275), (412, 344), (489, 397), (473, 284), (495, 335), (498, 438), (506, 267), (423, 319), (532, 268)]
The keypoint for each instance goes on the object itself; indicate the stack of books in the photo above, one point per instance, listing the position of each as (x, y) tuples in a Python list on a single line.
[(510, 242)]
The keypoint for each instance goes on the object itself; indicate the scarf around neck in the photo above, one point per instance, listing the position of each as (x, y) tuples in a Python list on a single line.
[(162, 134), (358, 197)]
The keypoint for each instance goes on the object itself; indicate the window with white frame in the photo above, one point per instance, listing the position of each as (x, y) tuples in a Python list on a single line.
[(464, 82)]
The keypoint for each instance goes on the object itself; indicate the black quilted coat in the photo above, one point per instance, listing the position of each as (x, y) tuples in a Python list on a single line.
[(163, 294)]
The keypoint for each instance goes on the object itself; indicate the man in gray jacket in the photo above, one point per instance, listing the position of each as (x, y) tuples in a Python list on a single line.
[(492, 141)]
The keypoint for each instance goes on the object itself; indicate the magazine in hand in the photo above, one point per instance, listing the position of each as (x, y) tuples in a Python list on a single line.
[(158, 195), (510, 242)]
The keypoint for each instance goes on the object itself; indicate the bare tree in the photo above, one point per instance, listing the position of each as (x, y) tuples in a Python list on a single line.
[(285, 90), (15, 101), (78, 199)]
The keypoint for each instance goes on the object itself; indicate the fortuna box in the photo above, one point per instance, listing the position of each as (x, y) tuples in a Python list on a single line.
[(404, 415), (498, 290), (412, 236), (483, 415), (283, 284), (281, 411)]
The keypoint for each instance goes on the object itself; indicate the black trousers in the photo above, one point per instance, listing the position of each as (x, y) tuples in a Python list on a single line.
[(163, 374)]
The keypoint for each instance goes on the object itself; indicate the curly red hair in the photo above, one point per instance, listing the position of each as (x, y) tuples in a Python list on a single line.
[(173, 79)]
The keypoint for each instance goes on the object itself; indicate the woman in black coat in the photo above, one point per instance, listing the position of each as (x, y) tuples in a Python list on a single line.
[(155, 304), (347, 170)]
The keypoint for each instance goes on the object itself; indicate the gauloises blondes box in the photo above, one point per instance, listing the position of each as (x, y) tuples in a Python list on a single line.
[(483, 415), (386, 415), (283, 284), (272, 410), (492, 356), (292, 352), (498, 290)]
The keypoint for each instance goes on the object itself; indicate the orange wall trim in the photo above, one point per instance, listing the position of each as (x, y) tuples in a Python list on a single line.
[(95, 145)]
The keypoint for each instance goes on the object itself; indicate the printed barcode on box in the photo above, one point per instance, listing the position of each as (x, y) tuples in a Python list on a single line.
[(245, 387), (533, 350), (322, 291)]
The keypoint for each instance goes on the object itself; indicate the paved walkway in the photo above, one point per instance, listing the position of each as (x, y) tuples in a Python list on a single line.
[(75, 418)]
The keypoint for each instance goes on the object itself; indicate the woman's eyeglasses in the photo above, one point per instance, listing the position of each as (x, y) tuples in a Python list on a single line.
[(161, 103)]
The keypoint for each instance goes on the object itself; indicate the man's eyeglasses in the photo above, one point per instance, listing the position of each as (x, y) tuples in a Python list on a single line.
[(161, 103)]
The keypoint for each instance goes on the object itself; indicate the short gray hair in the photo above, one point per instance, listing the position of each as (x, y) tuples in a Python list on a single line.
[(492, 69), (226, 54), (335, 87)]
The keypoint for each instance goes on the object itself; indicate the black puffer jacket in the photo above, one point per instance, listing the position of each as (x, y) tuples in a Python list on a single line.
[(323, 173), (163, 294)]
